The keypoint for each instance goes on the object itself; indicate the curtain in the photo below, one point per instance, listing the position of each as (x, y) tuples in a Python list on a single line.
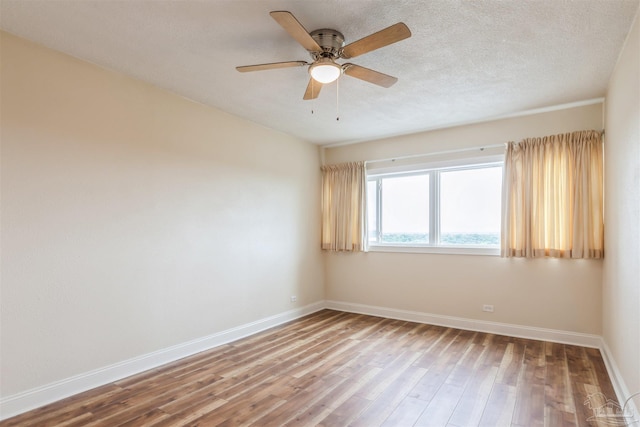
[(343, 201), (552, 197)]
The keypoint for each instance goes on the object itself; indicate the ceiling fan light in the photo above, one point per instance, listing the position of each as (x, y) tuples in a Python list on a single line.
[(325, 71)]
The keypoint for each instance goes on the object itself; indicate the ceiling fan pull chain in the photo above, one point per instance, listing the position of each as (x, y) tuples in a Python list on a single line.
[(338, 100), (313, 100)]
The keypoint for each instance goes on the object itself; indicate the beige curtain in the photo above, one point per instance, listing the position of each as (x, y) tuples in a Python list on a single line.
[(552, 200), (343, 200)]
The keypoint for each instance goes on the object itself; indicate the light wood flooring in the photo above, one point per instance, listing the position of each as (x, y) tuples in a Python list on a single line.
[(337, 369)]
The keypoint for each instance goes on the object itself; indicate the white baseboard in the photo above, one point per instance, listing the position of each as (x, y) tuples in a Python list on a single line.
[(564, 337), (520, 331), (622, 391), (34, 398), (37, 397)]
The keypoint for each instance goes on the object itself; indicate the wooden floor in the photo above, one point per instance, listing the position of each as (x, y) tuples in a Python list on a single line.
[(337, 369)]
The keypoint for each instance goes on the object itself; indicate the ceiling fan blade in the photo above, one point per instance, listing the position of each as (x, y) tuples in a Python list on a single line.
[(296, 30), (313, 90), (271, 66), (371, 76), (382, 38)]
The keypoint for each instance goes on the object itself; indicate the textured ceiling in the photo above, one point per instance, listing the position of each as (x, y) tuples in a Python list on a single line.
[(466, 61)]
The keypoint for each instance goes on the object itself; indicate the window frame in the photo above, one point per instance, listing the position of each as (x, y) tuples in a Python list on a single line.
[(433, 169)]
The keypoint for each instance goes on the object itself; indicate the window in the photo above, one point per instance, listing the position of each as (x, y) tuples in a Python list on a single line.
[(441, 209)]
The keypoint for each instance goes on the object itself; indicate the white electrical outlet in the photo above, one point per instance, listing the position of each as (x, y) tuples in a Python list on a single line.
[(294, 298), (487, 308)]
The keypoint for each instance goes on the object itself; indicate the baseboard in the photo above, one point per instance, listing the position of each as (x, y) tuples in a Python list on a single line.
[(619, 387), (37, 397), (520, 331), (565, 337), (40, 396)]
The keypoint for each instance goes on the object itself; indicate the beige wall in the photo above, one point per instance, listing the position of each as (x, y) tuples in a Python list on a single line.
[(134, 220), (547, 293), (621, 284)]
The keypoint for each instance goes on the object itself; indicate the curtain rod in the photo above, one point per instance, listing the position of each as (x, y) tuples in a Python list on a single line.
[(459, 150), (435, 153)]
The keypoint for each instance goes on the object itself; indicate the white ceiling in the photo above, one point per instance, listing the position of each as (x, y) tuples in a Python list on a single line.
[(466, 61)]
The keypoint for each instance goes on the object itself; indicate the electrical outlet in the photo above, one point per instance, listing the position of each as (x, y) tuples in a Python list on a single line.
[(294, 298), (487, 308)]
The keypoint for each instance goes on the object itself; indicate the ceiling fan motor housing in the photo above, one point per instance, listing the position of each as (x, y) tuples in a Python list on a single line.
[(331, 41)]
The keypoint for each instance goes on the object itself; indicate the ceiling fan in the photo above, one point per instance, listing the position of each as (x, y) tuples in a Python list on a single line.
[(326, 46)]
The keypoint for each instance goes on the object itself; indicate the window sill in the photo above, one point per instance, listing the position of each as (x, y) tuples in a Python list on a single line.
[(449, 250)]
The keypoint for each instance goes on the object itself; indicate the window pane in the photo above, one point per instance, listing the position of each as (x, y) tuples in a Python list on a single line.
[(405, 209), (470, 205), (372, 202)]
